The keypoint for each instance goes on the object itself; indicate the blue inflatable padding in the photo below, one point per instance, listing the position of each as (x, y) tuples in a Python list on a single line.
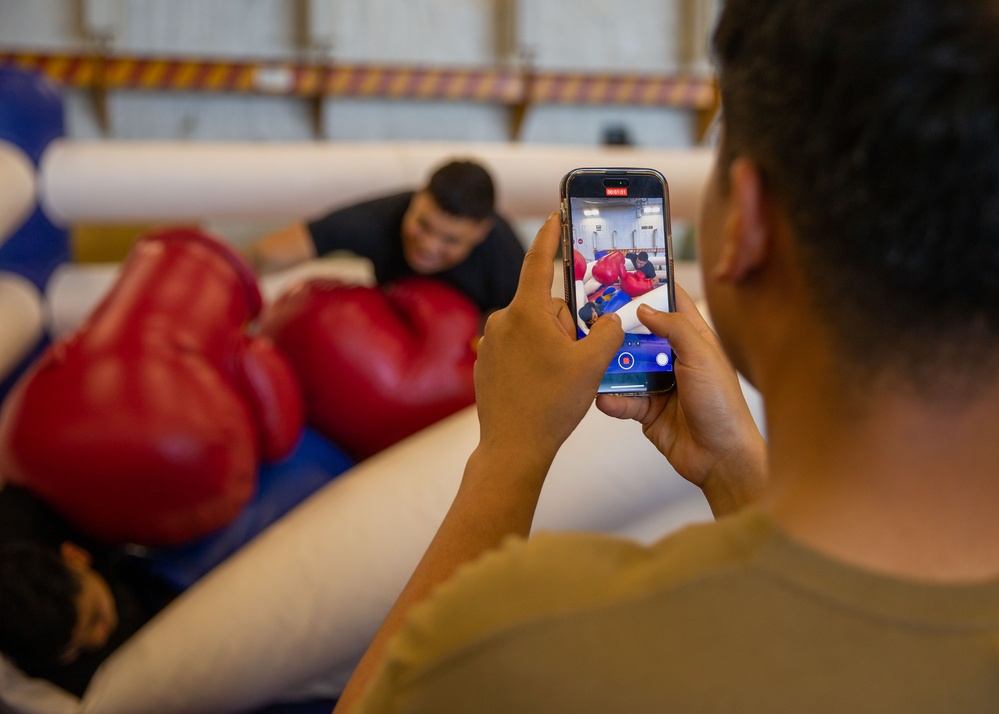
[(35, 250), (31, 117), (618, 300), (314, 463), (31, 111)]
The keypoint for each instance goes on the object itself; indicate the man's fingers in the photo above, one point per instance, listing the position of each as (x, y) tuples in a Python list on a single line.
[(604, 339), (686, 306), (564, 315), (684, 303), (641, 409), (622, 407), (539, 263), (689, 336)]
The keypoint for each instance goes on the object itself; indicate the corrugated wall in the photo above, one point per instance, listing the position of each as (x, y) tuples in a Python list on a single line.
[(646, 37)]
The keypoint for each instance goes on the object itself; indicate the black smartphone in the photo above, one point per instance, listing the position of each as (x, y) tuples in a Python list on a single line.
[(617, 254)]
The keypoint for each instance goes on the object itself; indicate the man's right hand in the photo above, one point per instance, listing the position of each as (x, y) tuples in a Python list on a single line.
[(703, 427), (281, 249)]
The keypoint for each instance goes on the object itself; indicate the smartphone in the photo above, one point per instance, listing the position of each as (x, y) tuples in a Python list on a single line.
[(617, 254)]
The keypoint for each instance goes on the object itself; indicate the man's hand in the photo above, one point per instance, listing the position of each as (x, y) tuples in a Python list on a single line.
[(534, 382), (703, 427), (281, 249)]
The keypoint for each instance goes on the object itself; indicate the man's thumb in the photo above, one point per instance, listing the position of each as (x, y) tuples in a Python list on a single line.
[(606, 337)]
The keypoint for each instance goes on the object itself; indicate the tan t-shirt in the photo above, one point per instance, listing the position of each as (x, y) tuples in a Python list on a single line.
[(723, 617)]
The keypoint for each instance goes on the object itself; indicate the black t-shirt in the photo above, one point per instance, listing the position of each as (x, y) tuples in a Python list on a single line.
[(648, 270), (138, 595), (373, 229)]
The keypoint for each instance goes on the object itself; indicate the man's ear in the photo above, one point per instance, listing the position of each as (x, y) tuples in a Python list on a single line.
[(747, 231), (483, 227), (74, 555)]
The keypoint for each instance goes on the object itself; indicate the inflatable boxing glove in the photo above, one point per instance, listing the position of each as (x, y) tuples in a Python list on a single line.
[(635, 283), (147, 424), (578, 265), (609, 269), (376, 364)]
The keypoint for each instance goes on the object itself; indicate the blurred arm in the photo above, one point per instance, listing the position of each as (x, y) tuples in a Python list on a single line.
[(281, 249)]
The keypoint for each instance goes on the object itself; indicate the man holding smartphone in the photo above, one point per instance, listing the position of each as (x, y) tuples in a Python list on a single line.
[(849, 242)]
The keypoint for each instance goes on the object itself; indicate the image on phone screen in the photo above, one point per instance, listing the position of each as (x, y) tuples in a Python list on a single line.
[(620, 259)]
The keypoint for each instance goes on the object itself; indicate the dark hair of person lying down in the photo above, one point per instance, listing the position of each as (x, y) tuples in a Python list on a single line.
[(38, 594)]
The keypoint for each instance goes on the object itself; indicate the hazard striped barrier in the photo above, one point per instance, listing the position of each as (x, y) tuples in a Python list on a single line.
[(508, 86)]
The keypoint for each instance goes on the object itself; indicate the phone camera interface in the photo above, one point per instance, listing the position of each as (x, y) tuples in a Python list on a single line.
[(621, 260)]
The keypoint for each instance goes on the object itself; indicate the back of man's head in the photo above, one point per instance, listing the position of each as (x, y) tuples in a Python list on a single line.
[(876, 125), (463, 189), (37, 603)]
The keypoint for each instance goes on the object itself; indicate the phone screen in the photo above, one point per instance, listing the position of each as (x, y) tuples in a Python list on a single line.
[(618, 254)]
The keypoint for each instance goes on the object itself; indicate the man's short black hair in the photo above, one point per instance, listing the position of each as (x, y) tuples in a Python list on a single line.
[(38, 594), (589, 312), (463, 189), (876, 124)]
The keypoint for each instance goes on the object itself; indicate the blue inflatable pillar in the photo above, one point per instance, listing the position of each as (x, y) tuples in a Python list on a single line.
[(31, 117)]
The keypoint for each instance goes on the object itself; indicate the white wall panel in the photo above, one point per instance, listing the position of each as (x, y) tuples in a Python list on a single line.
[(217, 28), (448, 32), (647, 126), (597, 35), (39, 23), (193, 117), (350, 120)]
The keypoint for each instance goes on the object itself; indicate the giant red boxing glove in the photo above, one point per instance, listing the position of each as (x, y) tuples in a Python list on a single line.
[(635, 283), (376, 364), (578, 265), (609, 269), (146, 424), (269, 385)]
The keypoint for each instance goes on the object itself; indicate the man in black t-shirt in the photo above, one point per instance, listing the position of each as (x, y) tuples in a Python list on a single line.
[(641, 262), (448, 230)]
